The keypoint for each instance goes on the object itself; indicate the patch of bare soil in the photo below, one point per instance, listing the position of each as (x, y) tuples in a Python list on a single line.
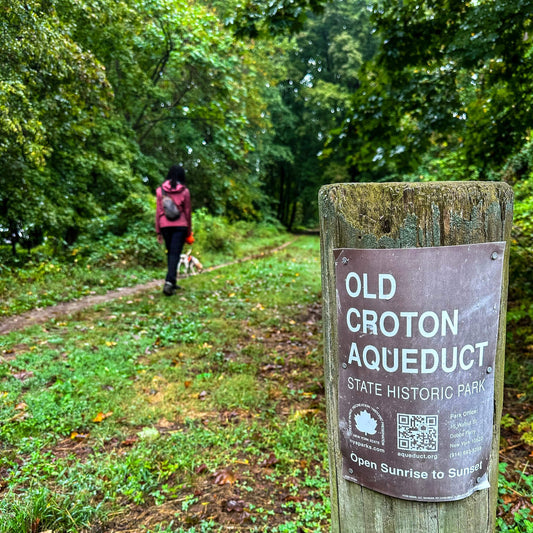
[(42, 315)]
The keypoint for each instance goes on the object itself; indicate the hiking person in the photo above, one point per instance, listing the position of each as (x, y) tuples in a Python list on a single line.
[(173, 226)]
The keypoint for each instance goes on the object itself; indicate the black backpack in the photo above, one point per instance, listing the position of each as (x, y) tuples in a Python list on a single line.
[(172, 211)]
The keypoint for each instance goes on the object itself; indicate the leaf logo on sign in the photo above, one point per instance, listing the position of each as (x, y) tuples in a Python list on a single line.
[(365, 423)]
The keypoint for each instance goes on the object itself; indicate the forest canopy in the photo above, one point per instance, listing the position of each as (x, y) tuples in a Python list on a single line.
[(261, 102)]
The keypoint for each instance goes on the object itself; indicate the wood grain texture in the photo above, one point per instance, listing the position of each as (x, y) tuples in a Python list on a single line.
[(407, 215)]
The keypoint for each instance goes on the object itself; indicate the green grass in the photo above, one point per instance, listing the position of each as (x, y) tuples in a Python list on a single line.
[(118, 407), (40, 279), (513, 486)]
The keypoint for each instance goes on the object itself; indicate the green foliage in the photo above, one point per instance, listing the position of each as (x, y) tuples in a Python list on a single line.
[(216, 238), (254, 18), (527, 428), (319, 73), (508, 491), (214, 233), (125, 235), (453, 75), (51, 93), (519, 172), (120, 250)]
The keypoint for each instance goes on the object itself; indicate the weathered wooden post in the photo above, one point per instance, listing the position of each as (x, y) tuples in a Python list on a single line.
[(414, 281)]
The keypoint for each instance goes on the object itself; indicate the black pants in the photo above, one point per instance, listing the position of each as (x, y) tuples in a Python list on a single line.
[(174, 241)]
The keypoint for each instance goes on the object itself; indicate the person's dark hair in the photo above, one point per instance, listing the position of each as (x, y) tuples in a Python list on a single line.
[(176, 174)]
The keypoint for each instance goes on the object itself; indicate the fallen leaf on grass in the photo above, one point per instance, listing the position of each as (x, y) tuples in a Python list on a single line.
[(226, 417), (200, 469), (21, 406), (23, 375), (102, 416), (130, 441), (224, 477), (304, 413), (235, 506), (23, 415), (78, 436), (271, 461), (507, 498)]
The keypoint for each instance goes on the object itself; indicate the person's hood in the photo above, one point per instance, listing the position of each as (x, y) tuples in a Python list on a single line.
[(168, 188)]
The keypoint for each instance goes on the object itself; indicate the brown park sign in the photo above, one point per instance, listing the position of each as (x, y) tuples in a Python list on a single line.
[(417, 332)]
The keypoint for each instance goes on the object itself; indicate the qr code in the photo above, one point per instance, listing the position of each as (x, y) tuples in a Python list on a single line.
[(418, 433)]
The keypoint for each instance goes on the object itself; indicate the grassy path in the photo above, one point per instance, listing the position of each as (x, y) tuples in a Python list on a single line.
[(42, 315), (201, 412)]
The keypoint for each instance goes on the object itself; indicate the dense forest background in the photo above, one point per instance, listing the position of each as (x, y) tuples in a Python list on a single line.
[(262, 102)]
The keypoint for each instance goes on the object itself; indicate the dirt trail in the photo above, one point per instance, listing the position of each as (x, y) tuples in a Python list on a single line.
[(41, 315)]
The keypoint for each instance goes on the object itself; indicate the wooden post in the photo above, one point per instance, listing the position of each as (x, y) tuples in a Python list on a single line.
[(408, 215)]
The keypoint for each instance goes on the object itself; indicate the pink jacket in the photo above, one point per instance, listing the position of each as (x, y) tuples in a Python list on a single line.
[(182, 198)]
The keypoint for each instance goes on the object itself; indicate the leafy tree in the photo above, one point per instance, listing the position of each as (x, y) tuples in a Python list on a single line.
[(449, 75), (321, 72), (254, 18), (50, 93)]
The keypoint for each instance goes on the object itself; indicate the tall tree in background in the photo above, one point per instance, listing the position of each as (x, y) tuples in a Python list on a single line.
[(322, 71)]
